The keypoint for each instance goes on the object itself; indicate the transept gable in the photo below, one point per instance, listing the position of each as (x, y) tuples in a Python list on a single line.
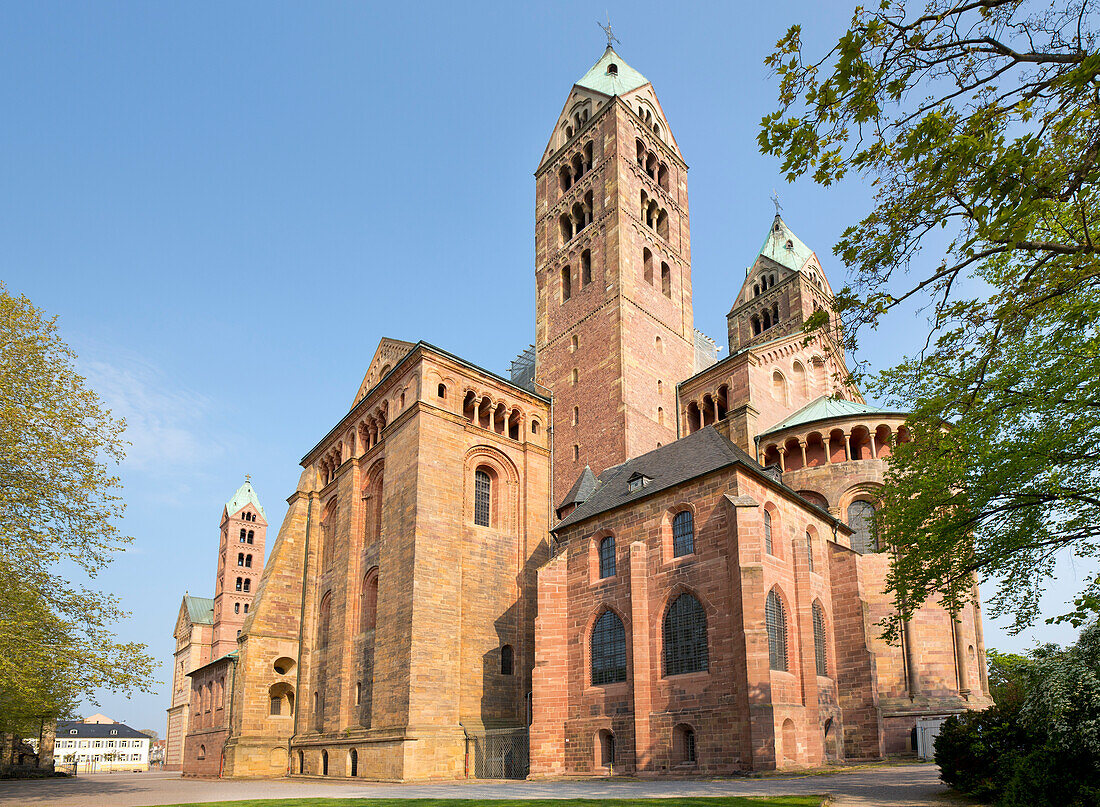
[(386, 357)]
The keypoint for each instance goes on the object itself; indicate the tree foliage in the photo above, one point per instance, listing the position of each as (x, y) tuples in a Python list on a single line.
[(1040, 746), (59, 509), (979, 125)]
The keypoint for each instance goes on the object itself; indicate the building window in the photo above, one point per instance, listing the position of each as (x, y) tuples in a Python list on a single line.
[(248, 561), (685, 635), (607, 557), (483, 497), (608, 650), (574, 376), (276, 706), (607, 748), (324, 620), (250, 536), (819, 639), (576, 453), (441, 391), (586, 268), (240, 584), (247, 584), (861, 518), (246, 608), (358, 693), (647, 266), (240, 558), (576, 415), (683, 534), (202, 752), (244, 532), (768, 532), (566, 283), (810, 550), (683, 745), (507, 660), (666, 280), (776, 621), (236, 607), (368, 606)]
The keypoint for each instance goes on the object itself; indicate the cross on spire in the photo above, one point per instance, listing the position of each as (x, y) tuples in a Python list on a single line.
[(775, 199), (607, 30), (248, 478)]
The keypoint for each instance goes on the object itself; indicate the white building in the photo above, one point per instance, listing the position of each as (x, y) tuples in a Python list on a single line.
[(100, 746)]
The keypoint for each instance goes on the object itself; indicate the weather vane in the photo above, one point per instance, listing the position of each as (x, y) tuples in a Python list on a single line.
[(775, 198), (607, 30)]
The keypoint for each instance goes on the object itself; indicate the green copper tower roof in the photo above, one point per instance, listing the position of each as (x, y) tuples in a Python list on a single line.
[(775, 246), (244, 495), (612, 76), (200, 610)]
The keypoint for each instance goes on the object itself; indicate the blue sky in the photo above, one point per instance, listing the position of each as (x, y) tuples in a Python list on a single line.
[(229, 204)]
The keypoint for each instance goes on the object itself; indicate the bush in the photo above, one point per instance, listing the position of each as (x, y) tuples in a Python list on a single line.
[(976, 751)]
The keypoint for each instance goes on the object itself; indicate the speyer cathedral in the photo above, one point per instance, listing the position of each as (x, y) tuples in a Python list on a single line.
[(627, 557)]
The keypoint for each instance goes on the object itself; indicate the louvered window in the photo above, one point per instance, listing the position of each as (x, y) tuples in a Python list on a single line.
[(819, 640), (607, 557), (683, 534), (776, 621), (608, 650), (685, 635), (483, 497)]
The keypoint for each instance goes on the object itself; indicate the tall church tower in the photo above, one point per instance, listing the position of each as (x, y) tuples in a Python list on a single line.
[(614, 329), (240, 564)]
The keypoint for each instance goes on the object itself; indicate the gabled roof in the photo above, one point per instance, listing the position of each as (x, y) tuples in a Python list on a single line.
[(582, 489), (699, 453), (623, 81), (200, 610), (244, 495), (824, 408), (97, 730), (775, 246)]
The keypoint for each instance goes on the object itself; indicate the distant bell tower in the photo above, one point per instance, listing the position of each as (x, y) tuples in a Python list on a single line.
[(614, 328), (240, 564)]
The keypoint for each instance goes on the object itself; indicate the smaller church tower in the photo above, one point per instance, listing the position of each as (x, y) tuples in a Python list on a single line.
[(240, 564)]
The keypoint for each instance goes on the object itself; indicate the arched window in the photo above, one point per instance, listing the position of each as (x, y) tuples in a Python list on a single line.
[(248, 561), (768, 532), (683, 534), (301, 762), (507, 660), (607, 748), (251, 536), (685, 634), (243, 533), (441, 391), (247, 584), (683, 744), (240, 585), (776, 621), (246, 608), (809, 550), (202, 752), (586, 268), (861, 518), (324, 763), (483, 497), (240, 558), (368, 600), (324, 620), (666, 280), (566, 283), (819, 639), (647, 266), (236, 607), (576, 415), (607, 557), (608, 650)]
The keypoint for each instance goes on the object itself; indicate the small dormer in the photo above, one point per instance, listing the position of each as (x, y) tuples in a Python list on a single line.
[(637, 481)]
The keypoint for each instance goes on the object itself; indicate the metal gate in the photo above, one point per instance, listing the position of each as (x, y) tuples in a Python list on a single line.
[(500, 754)]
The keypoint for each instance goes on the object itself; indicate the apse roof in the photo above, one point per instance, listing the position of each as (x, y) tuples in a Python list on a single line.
[(625, 79), (824, 408), (582, 489), (244, 495)]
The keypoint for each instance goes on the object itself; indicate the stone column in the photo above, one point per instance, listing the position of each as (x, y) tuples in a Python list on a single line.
[(960, 657), (782, 458), (802, 448), (848, 444)]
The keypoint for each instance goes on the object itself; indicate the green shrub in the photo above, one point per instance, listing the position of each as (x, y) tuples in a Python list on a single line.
[(976, 751)]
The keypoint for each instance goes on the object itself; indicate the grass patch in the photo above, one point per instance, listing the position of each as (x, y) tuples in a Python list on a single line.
[(724, 801)]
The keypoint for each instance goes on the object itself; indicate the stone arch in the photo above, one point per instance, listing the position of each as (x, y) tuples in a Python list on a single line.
[(815, 497), (506, 484), (597, 612)]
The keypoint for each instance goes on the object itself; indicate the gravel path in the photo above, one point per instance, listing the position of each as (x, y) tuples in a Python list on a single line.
[(889, 786)]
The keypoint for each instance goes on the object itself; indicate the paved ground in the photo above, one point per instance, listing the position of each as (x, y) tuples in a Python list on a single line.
[(892, 786)]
